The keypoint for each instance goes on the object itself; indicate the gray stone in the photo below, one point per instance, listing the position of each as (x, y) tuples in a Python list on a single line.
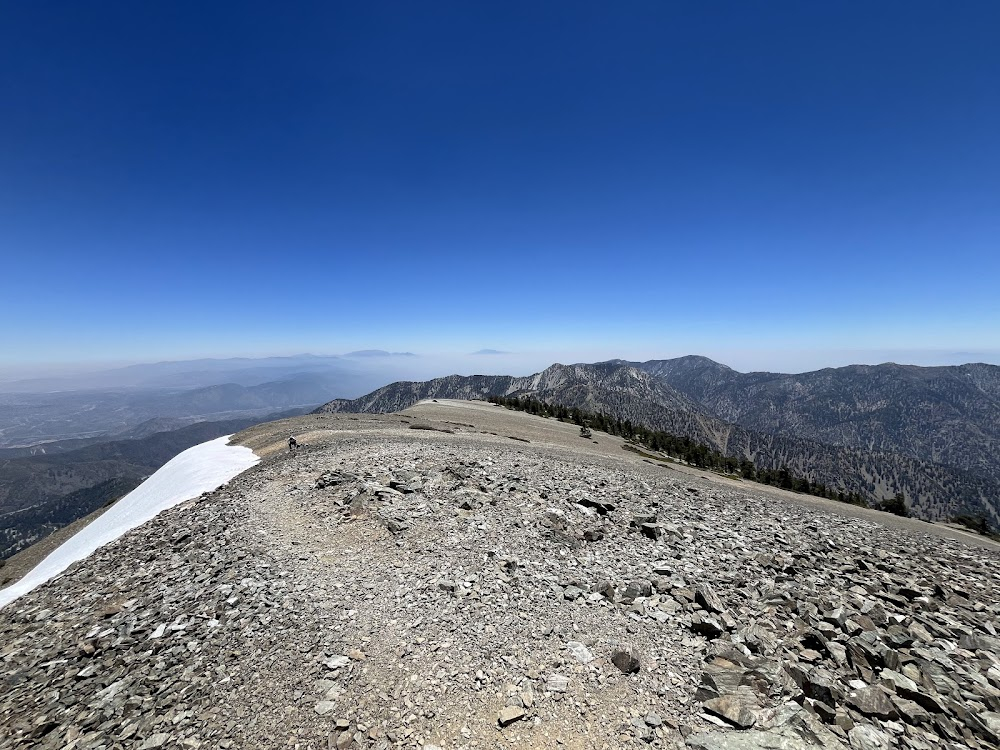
[(987, 726), (580, 652), (780, 738), (707, 599), (864, 737), (325, 707), (980, 642), (626, 658), (510, 714), (250, 592), (872, 701), (557, 683), (154, 741), (911, 712), (733, 709), (897, 682), (821, 686)]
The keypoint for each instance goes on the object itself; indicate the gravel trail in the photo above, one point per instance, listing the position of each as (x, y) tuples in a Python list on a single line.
[(462, 576)]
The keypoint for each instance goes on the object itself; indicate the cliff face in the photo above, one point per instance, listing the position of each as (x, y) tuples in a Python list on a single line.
[(931, 433)]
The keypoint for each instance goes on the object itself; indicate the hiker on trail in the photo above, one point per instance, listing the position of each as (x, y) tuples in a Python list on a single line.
[(292, 445)]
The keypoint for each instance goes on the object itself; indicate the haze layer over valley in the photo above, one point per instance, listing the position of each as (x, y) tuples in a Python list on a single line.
[(140, 399), (72, 444)]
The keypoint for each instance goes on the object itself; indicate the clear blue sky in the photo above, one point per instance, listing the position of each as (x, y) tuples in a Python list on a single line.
[(610, 179)]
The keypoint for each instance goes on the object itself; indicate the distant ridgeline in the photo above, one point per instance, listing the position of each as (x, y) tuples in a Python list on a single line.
[(704, 456), (866, 434)]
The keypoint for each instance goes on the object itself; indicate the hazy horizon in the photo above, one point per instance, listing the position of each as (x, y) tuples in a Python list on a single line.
[(424, 366)]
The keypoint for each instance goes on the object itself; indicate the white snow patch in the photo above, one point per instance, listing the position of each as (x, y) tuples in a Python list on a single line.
[(199, 469)]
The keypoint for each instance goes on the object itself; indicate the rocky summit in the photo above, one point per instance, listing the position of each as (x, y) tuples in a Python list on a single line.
[(461, 576)]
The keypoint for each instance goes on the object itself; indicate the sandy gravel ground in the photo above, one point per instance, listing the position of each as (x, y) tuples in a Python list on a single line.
[(564, 439), (462, 576), (487, 419)]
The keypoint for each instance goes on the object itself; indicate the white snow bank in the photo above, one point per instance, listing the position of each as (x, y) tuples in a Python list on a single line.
[(199, 469)]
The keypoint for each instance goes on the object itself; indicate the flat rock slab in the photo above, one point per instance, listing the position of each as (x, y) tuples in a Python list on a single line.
[(775, 739)]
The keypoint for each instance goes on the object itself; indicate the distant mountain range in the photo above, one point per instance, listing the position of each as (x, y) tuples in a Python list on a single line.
[(36, 419), (113, 403), (932, 433)]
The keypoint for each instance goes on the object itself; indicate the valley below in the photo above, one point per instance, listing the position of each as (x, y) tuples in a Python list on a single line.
[(66, 453)]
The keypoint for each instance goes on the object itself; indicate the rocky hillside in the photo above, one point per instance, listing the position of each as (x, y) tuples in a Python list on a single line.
[(931, 433), (462, 586)]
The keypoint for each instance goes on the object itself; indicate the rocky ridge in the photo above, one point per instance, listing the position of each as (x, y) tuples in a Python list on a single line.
[(930, 433), (451, 588)]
